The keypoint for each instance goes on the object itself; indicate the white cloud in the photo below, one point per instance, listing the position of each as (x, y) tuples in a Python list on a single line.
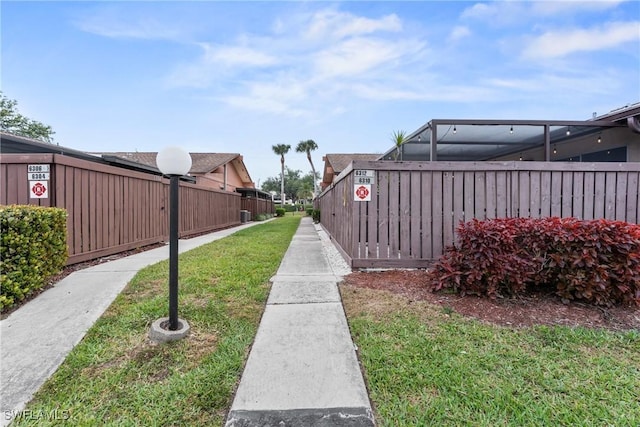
[(557, 83), (236, 56), (459, 32), (424, 92), (337, 25), (268, 105), (554, 44), (114, 23), (515, 12), (360, 55), (555, 7), (496, 13)]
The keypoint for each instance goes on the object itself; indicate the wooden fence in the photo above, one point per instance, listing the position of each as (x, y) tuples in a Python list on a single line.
[(416, 207), (112, 209), (257, 206)]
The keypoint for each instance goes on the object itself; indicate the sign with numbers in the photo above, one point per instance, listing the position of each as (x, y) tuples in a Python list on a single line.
[(38, 168), (38, 176), (38, 172), (364, 177)]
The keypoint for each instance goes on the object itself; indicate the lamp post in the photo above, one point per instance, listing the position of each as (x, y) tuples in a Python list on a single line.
[(174, 162)]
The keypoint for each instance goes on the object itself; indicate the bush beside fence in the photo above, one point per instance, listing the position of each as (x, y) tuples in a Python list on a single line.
[(33, 249)]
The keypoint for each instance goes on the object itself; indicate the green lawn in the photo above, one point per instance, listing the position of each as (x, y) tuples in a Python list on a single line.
[(427, 366), (116, 376)]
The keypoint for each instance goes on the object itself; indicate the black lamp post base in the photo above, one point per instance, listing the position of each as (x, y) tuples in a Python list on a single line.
[(160, 331)]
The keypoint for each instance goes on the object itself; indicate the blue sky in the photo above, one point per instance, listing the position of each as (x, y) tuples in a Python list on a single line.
[(242, 76)]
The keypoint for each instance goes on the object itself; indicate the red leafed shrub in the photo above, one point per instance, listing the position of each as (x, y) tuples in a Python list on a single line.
[(595, 261)]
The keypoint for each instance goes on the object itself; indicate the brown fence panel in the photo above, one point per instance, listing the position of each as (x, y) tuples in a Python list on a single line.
[(416, 207), (257, 206), (112, 209)]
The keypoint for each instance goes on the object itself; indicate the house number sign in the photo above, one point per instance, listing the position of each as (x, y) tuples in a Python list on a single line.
[(364, 177), (38, 172)]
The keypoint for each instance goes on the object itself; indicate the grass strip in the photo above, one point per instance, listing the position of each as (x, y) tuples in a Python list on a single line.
[(427, 366), (116, 376)]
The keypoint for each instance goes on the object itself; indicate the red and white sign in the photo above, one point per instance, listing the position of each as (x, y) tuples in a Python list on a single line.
[(39, 189), (362, 193)]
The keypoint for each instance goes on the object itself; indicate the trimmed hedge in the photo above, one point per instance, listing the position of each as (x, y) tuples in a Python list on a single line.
[(34, 248), (280, 211), (595, 261)]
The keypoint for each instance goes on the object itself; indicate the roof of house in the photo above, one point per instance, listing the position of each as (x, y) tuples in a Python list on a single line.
[(340, 161), (201, 163)]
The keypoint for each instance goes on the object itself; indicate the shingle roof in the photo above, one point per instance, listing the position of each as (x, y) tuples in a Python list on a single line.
[(201, 162), (340, 161)]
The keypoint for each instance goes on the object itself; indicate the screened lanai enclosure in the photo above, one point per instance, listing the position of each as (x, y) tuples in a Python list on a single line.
[(611, 138)]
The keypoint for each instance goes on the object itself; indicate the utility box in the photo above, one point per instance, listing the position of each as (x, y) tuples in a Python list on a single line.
[(245, 216)]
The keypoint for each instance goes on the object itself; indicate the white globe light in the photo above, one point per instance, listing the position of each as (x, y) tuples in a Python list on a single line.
[(173, 161)]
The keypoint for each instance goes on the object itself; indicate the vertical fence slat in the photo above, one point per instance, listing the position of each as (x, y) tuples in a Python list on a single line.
[(502, 189), (556, 193), (447, 208), (567, 194), (480, 201), (405, 214), (610, 195), (578, 195), (524, 194), (534, 198), (415, 210), (394, 214), (633, 201), (426, 219), (621, 196), (491, 194), (589, 195)]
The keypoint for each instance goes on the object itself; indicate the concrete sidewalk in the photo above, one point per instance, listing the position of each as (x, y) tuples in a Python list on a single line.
[(37, 337), (302, 369)]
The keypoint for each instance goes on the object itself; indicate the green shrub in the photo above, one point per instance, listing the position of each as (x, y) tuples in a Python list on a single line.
[(280, 211), (316, 215), (309, 211), (33, 248), (262, 217)]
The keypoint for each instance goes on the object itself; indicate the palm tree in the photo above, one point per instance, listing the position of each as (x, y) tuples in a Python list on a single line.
[(281, 150), (398, 137), (307, 147)]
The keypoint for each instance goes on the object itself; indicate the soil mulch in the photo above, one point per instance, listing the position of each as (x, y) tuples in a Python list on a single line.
[(539, 309)]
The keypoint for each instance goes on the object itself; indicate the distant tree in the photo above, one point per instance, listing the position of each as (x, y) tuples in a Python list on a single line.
[(294, 184), (398, 137), (307, 147), (281, 150), (11, 121), (305, 191)]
